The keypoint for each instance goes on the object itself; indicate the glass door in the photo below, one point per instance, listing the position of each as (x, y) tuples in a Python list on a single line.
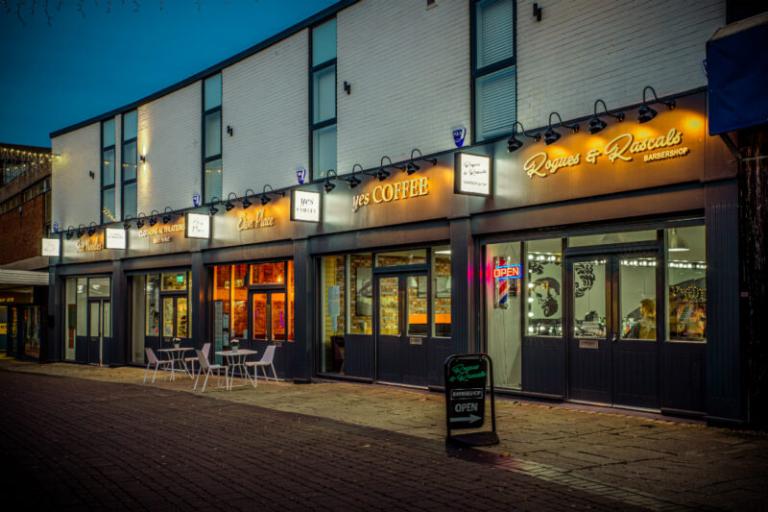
[(269, 316), (613, 348), (402, 327), (99, 329), (175, 317)]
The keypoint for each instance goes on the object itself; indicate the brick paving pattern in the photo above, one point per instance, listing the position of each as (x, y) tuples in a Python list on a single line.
[(73, 444)]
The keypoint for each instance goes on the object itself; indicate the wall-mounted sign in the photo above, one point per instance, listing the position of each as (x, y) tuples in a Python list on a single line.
[(51, 246), (511, 271), (472, 174), (93, 243), (389, 192), (198, 225), (161, 233), (116, 238), (256, 220), (305, 205), (642, 144), (459, 134)]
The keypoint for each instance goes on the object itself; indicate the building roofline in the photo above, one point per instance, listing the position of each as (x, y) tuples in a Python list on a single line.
[(25, 147), (266, 43)]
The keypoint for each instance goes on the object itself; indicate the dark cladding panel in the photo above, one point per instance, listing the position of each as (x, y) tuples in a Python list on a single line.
[(723, 362)]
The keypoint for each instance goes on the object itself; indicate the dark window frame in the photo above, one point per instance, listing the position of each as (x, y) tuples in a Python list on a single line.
[(220, 155), (123, 144), (477, 73), (314, 68), (103, 187)]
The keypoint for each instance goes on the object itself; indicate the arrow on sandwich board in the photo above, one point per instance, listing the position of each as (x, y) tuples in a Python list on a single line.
[(466, 419)]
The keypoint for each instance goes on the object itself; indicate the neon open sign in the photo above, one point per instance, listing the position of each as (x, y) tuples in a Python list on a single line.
[(508, 271)]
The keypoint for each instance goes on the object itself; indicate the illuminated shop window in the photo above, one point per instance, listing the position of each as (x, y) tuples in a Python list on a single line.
[(441, 291), (543, 287), (686, 284), (360, 312), (333, 304), (503, 299)]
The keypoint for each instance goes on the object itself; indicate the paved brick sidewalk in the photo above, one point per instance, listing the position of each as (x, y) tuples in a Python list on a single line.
[(646, 461), (77, 444)]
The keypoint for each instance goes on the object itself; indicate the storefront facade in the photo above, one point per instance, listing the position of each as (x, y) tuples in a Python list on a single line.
[(584, 267)]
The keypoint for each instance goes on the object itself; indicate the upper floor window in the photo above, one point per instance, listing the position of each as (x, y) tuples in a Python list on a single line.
[(212, 161), (108, 171), (323, 98), (494, 69), (129, 156)]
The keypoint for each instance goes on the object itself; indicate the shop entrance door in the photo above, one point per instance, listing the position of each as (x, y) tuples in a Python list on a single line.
[(613, 334), (269, 320), (99, 331), (174, 318), (402, 327)]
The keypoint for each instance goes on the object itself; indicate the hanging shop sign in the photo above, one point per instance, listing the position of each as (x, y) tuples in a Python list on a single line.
[(472, 174), (390, 192), (198, 225), (116, 238), (51, 246), (506, 277), (255, 220), (162, 233), (305, 205), (639, 144)]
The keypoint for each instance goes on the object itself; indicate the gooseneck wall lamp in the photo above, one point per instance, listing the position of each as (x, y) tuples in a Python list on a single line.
[(153, 217), (596, 124), (246, 202), (645, 113), (167, 215), (329, 185), (411, 167), (127, 222), (229, 204), (70, 232), (80, 230), (91, 228), (513, 143), (551, 135), (212, 208), (266, 194), (352, 180), (140, 220)]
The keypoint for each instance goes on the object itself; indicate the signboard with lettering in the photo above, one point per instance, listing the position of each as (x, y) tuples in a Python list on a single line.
[(116, 238), (472, 174), (51, 246), (390, 192), (305, 205), (467, 377), (198, 225)]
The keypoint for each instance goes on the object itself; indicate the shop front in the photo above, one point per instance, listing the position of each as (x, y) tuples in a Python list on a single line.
[(23, 313), (583, 263)]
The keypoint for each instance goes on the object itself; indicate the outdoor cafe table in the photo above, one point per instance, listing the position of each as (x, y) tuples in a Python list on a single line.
[(176, 355), (235, 359)]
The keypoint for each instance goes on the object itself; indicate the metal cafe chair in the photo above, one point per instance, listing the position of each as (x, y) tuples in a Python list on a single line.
[(208, 368), (192, 360), (152, 360), (267, 360)]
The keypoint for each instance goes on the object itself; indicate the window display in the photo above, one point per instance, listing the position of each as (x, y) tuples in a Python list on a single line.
[(637, 286), (333, 303), (686, 284), (152, 292), (589, 299), (361, 298), (441, 291), (503, 299), (544, 277), (268, 273)]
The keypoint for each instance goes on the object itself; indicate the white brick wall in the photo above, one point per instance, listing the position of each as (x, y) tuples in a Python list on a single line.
[(75, 196), (409, 71), (584, 50), (265, 101), (169, 135)]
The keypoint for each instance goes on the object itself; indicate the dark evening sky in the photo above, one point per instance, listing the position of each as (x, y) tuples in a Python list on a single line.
[(91, 56)]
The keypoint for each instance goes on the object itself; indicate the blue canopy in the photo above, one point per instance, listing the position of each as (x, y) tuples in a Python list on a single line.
[(737, 69)]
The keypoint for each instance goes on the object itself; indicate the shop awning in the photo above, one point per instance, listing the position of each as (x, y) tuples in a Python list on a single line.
[(737, 70), (22, 278)]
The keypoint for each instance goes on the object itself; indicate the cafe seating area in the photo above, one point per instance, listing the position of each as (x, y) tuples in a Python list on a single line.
[(235, 362)]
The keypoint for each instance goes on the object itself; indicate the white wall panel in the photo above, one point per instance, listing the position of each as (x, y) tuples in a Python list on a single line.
[(408, 66), (169, 135), (583, 50), (265, 100), (75, 196)]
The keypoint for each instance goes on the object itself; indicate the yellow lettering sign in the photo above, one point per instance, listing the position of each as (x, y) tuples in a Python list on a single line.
[(256, 221), (390, 192)]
